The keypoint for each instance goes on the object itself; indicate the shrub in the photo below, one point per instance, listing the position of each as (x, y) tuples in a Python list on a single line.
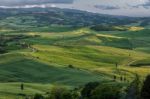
[(2, 50), (70, 66)]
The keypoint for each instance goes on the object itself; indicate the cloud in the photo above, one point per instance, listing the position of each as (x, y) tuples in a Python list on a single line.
[(146, 5), (31, 2), (114, 7), (31, 6), (106, 7)]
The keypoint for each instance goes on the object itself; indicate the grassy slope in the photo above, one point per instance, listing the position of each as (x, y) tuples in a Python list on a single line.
[(140, 39), (12, 90), (20, 68), (92, 54)]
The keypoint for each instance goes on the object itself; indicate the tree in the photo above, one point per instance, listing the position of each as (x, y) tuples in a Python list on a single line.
[(133, 91), (70, 66), (38, 96), (76, 94), (145, 92), (22, 86), (121, 78), (88, 88), (2, 50), (115, 77), (106, 92), (60, 93), (125, 79), (116, 65)]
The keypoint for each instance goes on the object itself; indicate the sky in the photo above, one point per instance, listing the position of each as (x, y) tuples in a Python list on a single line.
[(135, 8)]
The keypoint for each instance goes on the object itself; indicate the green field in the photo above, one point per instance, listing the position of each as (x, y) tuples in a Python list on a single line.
[(42, 59)]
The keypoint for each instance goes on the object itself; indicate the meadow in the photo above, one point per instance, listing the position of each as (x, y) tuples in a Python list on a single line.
[(61, 56)]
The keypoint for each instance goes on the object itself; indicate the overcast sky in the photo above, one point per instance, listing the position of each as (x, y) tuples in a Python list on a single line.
[(114, 7)]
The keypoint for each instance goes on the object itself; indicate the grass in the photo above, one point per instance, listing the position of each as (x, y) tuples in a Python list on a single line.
[(13, 91), (28, 70), (134, 28), (79, 37), (93, 55), (144, 62)]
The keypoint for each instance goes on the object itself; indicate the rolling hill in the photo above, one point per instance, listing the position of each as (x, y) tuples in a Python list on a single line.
[(43, 51)]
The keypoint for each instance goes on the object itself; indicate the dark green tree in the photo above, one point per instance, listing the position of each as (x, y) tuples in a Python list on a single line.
[(106, 92), (133, 91), (145, 92), (22, 86), (38, 96), (115, 77), (88, 88), (60, 93)]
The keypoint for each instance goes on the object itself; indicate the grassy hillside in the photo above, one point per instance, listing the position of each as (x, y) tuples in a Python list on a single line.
[(17, 68), (70, 57), (39, 17), (12, 90)]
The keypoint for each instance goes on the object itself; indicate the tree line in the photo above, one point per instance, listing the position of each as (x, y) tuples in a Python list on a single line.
[(97, 90)]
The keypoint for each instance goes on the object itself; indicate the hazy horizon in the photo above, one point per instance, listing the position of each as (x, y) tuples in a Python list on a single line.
[(135, 8)]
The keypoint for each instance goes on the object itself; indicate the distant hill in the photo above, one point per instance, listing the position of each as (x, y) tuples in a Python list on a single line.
[(56, 16)]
